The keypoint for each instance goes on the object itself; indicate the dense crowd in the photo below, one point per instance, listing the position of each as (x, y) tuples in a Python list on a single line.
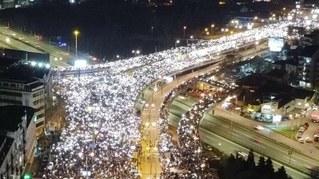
[(186, 159), (103, 128)]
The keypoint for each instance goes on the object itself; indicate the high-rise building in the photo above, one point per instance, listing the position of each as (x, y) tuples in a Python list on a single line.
[(308, 69), (17, 140), (23, 84), (26, 92)]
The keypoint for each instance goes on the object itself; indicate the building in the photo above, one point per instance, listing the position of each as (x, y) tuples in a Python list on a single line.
[(269, 97), (308, 68), (32, 89), (277, 75), (11, 57), (17, 140), (6, 4)]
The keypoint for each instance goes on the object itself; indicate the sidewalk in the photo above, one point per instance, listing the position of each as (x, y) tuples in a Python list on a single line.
[(308, 150)]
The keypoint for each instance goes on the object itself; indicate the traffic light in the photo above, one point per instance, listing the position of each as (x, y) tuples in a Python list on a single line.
[(26, 176)]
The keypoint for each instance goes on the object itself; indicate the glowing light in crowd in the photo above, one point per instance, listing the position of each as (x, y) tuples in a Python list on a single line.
[(102, 123)]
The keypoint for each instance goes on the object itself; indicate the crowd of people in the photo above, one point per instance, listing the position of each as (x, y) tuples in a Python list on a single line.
[(185, 159), (188, 158), (103, 129)]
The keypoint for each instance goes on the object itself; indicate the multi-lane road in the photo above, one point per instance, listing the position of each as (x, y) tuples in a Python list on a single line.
[(23, 42), (230, 137), (261, 144), (20, 41)]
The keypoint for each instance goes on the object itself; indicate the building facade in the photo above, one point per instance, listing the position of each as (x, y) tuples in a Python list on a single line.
[(27, 93), (308, 68), (17, 140)]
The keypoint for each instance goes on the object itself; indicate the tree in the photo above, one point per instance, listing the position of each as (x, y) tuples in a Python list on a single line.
[(281, 173), (269, 167), (261, 167), (250, 160), (238, 168), (233, 166)]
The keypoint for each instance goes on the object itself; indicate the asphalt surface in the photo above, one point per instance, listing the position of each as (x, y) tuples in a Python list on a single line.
[(28, 42), (217, 132)]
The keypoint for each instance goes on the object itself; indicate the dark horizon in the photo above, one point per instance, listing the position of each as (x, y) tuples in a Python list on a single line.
[(110, 28)]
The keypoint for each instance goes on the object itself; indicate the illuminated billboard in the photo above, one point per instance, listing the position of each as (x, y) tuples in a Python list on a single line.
[(275, 44), (80, 63)]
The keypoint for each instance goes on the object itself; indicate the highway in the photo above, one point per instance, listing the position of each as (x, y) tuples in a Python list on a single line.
[(252, 139), (118, 92), (21, 41), (230, 147), (230, 137)]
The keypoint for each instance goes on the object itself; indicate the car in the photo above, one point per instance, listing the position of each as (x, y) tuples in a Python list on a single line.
[(301, 129), (241, 154), (208, 147), (299, 134), (308, 140), (306, 125), (256, 139), (301, 140), (258, 127), (314, 120)]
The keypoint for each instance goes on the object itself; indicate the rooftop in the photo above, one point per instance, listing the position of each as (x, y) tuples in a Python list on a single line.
[(268, 90), (11, 116), (23, 73), (6, 62), (276, 73), (251, 81), (302, 93)]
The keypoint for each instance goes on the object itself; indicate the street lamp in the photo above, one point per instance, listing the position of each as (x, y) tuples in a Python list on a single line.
[(184, 31), (211, 27), (136, 52), (177, 42), (76, 33)]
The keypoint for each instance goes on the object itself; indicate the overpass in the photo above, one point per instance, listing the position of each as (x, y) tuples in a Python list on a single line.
[(113, 92)]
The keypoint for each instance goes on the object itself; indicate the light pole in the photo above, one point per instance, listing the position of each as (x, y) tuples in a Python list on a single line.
[(191, 38), (152, 30), (211, 28), (177, 42), (184, 30), (76, 33)]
